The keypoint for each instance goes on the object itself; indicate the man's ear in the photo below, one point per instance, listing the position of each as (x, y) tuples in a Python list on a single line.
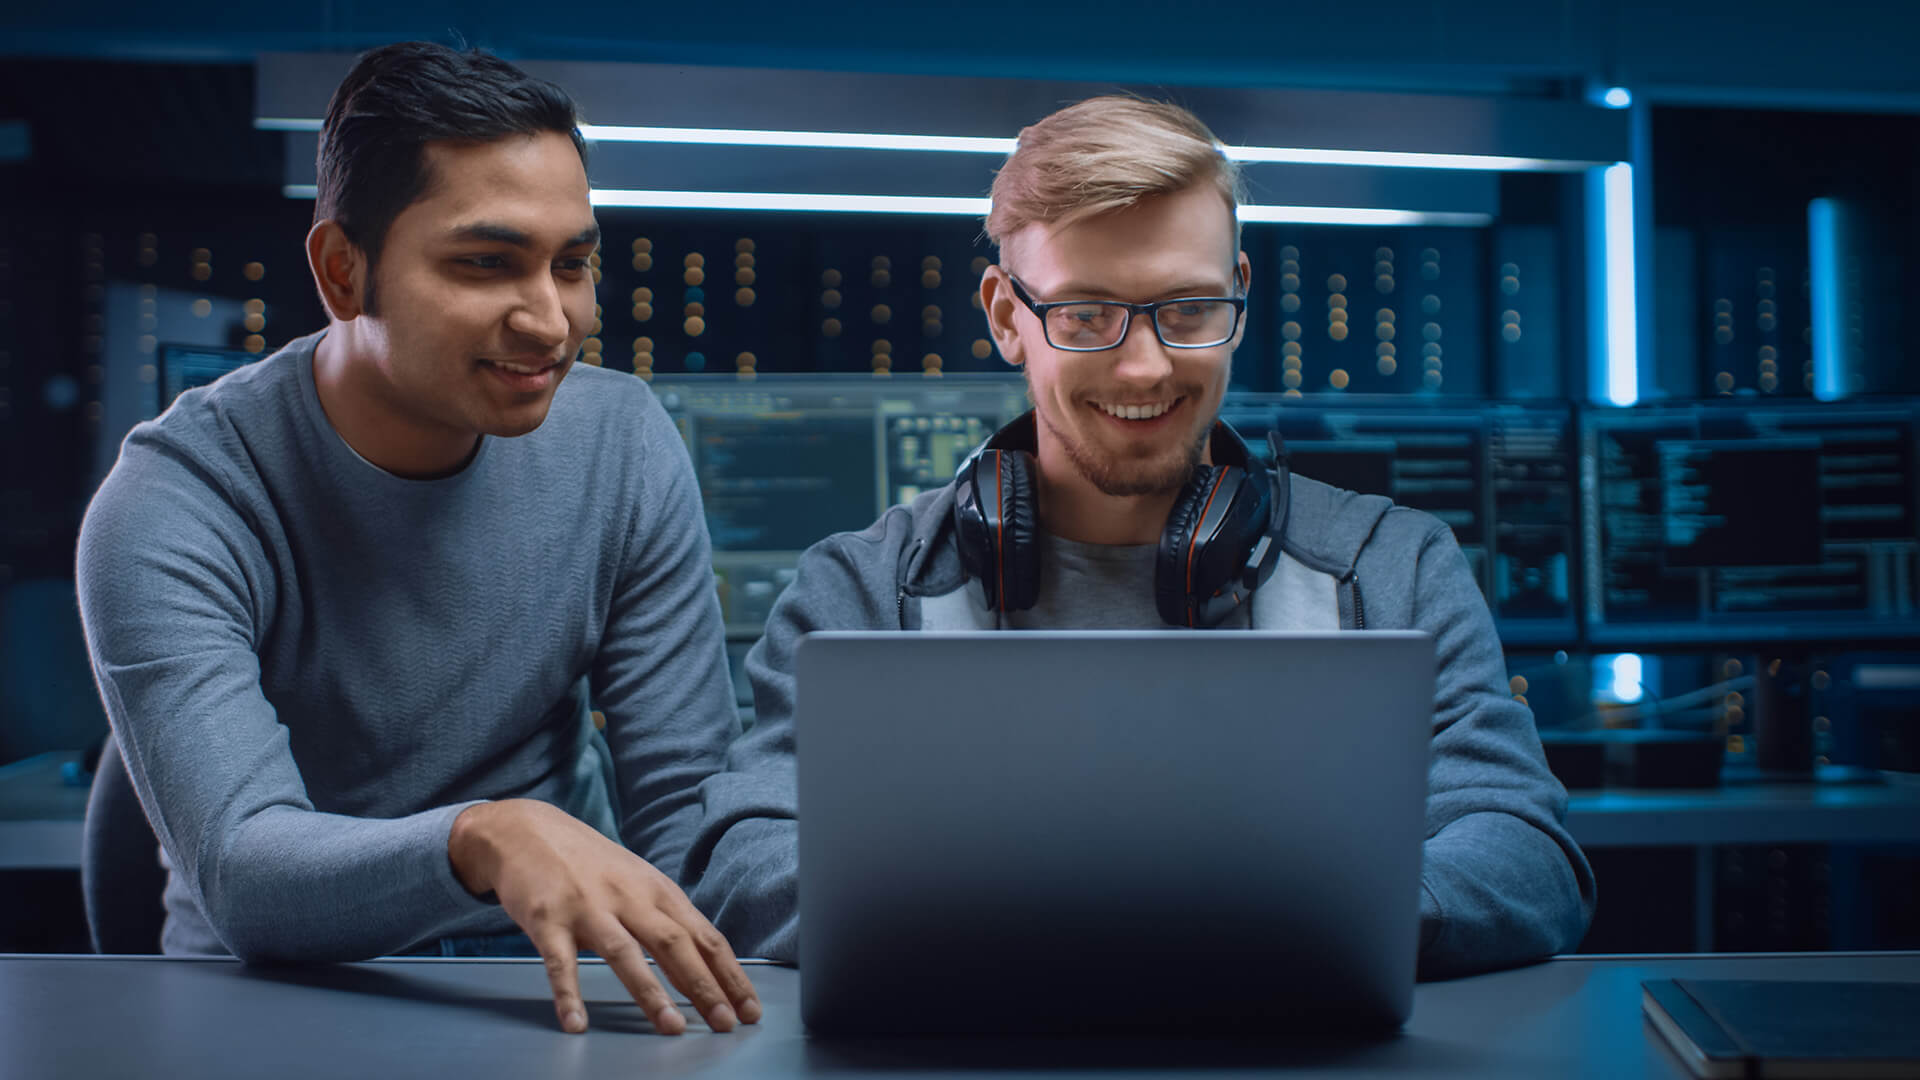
[(339, 270), (1243, 275), (1002, 307)]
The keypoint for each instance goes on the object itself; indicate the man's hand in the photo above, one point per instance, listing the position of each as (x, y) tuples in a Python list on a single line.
[(570, 888)]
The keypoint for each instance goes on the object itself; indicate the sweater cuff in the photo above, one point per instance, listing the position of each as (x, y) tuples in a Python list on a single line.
[(463, 902)]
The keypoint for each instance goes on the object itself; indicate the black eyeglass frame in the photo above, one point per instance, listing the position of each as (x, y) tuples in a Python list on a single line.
[(1151, 311)]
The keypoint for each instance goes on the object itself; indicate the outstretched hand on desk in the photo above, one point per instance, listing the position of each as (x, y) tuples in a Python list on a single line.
[(570, 888)]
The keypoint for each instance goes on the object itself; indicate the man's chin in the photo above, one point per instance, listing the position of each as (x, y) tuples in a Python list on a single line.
[(518, 422), (1160, 475)]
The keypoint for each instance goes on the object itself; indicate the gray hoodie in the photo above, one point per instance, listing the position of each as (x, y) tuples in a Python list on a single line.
[(1502, 881)]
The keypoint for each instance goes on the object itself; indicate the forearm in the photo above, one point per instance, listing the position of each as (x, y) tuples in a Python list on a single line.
[(744, 873), (295, 886), (1496, 892)]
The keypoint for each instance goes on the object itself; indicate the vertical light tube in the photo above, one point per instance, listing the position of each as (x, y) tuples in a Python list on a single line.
[(1621, 316), (1829, 340)]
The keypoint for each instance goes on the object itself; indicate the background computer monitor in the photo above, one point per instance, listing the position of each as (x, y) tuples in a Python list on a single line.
[(183, 367), (1741, 522), (1501, 475)]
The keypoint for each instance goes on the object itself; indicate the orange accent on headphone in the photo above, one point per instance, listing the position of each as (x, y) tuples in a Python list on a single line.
[(1194, 534)]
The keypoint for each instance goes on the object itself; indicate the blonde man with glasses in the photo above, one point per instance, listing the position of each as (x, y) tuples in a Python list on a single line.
[(1121, 502)]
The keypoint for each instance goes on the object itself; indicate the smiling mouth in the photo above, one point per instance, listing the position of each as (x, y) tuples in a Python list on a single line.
[(522, 369), (1149, 411)]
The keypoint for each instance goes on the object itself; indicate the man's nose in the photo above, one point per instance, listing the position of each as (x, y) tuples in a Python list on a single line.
[(540, 315), (1141, 358)]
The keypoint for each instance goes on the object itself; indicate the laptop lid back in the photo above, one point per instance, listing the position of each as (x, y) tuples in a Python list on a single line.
[(1058, 831)]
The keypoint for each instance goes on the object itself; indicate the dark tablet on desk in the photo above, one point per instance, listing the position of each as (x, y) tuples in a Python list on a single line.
[(1770, 1028)]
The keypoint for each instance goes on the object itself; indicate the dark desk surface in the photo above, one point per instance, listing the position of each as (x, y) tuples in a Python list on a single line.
[(124, 1016)]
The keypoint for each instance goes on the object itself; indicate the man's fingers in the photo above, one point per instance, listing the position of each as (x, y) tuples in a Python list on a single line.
[(617, 947), (562, 957), (721, 961), (672, 946)]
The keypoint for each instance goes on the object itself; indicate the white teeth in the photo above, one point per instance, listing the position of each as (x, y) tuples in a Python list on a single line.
[(1136, 412)]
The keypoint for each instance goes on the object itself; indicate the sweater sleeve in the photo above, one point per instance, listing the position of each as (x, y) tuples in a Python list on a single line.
[(1503, 882), (174, 591), (660, 677), (748, 841)]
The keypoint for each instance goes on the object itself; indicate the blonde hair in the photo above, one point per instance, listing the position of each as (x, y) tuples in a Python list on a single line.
[(1104, 154)]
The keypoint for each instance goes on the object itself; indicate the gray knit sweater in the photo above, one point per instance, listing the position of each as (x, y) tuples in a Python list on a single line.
[(313, 666)]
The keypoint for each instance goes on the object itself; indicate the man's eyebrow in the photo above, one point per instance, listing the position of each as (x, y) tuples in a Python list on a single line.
[(503, 234), (1074, 288), (497, 234)]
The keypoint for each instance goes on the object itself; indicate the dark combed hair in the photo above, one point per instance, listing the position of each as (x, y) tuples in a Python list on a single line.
[(398, 98)]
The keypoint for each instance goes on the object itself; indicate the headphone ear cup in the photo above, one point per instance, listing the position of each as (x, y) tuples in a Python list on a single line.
[(1019, 543), (1170, 567), (973, 525)]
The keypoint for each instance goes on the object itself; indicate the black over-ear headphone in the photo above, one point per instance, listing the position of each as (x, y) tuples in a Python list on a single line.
[(1218, 546)]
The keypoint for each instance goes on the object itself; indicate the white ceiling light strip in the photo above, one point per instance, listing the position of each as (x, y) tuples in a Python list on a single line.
[(630, 198), (968, 144)]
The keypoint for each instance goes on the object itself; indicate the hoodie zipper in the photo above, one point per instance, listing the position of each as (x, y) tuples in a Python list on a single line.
[(1359, 606)]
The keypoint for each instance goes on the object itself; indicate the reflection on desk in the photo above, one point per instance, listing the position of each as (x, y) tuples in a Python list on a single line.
[(119, 1016)]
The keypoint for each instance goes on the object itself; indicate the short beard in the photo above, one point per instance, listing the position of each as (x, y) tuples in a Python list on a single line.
[(1161, 477)]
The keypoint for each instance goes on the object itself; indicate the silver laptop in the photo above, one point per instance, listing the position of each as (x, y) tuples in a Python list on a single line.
[(1152, 831)]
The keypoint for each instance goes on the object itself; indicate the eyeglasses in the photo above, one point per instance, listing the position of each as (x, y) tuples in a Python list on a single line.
[(1188, 322)]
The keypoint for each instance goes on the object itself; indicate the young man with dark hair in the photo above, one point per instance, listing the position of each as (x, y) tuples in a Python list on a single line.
[(1120, 293), (346, 604)]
